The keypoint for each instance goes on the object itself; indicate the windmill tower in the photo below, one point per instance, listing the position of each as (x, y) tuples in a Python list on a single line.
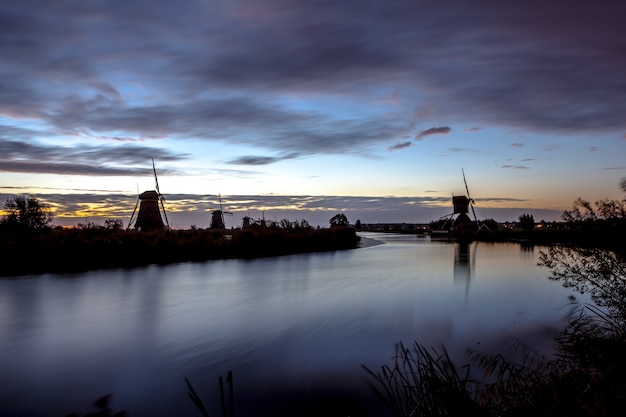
[(217, 217), (149, 214)]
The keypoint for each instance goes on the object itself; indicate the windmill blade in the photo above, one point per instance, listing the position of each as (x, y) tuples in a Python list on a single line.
[(156, 180), (469, 197), (167, 223), (466, 188), (161, 198), (130, 222), (474, 213)]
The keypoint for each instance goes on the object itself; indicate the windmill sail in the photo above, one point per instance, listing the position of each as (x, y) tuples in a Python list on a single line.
[(471, 201), (132, 216), (161, 198)]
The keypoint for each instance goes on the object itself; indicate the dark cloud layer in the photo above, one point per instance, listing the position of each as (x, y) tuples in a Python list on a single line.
[(125, 71), (17, 156)]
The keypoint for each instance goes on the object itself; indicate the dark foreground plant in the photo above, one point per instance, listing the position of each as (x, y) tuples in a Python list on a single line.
[(228, 409), (425, 382)]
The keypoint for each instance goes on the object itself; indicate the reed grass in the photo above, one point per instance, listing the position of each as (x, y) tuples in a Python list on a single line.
[(227, 407)]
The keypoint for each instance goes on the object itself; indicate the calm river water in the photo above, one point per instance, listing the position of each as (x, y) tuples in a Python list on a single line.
[(294, 330)]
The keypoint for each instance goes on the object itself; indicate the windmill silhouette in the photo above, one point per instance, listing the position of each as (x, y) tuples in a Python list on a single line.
[(461, 206), (149, 214), (217, 216), (246, 222)]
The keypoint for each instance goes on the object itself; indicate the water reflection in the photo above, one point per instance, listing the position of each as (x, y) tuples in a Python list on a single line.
[(527, 249), (463, 265)]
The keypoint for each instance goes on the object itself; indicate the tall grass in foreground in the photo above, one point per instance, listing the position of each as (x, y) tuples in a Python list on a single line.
[(424, 382)]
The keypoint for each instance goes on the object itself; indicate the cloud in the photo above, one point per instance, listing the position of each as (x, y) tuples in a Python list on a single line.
[(592, 149), (514, 167), (462, 150), (261, 160), (399, 146), (28, 189), (517, 145), (214, 71), (551, 148), (68, 169), (16, 156), (443, 130)]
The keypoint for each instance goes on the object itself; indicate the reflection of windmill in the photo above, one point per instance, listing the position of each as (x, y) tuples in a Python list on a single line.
[(464, 265), (217, 217), (149, 214)]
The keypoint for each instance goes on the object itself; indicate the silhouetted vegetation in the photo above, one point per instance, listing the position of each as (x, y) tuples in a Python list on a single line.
[(527, 222), (25, 214), (339, 220), (94, 247)]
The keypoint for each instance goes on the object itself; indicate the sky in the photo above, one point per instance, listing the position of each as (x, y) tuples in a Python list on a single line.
[(303, 110)]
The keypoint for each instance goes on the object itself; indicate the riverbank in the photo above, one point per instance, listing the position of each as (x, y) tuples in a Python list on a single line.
[(605, 238), (610, 238), (76, 250)]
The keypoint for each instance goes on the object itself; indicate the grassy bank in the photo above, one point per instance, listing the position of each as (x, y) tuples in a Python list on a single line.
[(74, 250)]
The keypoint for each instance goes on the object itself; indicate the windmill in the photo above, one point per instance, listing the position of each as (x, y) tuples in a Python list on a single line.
[(461, 205), (217, 216), (149, 214), (246, 224)]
